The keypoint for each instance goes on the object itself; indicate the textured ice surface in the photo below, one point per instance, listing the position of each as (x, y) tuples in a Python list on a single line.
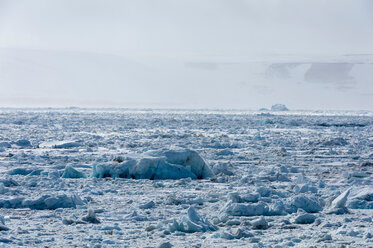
[(80, 178)]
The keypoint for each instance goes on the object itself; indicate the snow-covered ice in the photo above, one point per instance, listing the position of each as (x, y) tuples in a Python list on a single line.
[(158, 178)]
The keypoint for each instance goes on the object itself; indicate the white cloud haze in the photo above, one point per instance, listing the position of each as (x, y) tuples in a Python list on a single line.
[(186, 54)]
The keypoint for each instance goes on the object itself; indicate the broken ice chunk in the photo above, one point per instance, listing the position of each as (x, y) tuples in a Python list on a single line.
[(91, 217), (338, 205), (70, 172), (260, 223), (147, 205), (304, 217), (193, 222)]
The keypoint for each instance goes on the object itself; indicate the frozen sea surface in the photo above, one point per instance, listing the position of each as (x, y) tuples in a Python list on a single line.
[(101, 178)]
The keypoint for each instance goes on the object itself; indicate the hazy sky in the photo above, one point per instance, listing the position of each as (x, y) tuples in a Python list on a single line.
[(195, 53)]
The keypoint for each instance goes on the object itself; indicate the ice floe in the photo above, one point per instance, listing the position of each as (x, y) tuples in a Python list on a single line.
[(167, 165)]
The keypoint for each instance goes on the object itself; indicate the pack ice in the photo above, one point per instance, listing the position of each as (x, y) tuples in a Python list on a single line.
[(160, 178)]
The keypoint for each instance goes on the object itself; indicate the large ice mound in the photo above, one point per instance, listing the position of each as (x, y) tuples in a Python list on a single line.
[(169, 164)]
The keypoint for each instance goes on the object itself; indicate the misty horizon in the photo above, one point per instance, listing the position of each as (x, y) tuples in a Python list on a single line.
[(190, 55)]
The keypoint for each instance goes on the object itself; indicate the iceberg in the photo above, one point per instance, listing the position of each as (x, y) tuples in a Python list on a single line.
[(279, 107)]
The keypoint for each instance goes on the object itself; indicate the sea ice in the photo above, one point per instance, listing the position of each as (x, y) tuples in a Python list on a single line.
[(338, 205), (43, 202), (91, 217), (134, 216), (172, 164), (250, 209), (66, 144), (147, 205), (260, 223), (23, 143), (2, 224), (308, 203), (70, 172), (335, 142), (362, 200), (193, 222), (165, 245), (24, 171), (304, 217), (5, 144), (238, 155), (245, 197)]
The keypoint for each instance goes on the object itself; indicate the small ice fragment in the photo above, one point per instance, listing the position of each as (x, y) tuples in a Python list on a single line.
[(23, 143), (135, 216), (191, 223), (147, 205), (150, 228), (260, 223), (251, 209), (70, 172), (165, 245), (307, 203), (305, 218), (91, 217), (5, 145), (2, 224), (326, 237), (338, 205)]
